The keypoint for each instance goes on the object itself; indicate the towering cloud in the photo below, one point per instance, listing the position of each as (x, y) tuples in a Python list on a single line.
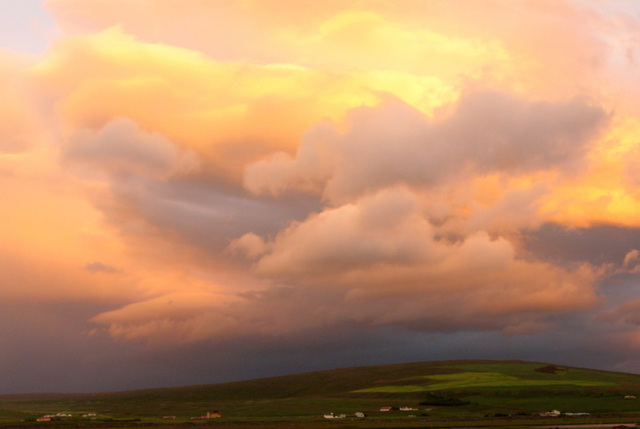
[(176, 174)]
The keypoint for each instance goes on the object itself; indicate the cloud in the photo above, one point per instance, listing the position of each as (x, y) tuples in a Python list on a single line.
[(99, 267), (121, 148), (263, 177), (627, 313), (174, 317), (391, 265), (632, 261), (250, 245), (394, 143), (385, 175), (354, 236), (228, 113)]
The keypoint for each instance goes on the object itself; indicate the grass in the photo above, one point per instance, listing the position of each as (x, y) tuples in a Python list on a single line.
[(472, 380), (486, 388)]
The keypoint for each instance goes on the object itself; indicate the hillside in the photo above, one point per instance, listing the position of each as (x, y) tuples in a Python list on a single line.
[(434, 389)]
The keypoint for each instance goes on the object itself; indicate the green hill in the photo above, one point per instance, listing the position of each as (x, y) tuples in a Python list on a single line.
[(444, 389)]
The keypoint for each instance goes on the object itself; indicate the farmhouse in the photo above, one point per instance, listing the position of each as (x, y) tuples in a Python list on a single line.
[(49, 417), (385, 409), (335, 416)]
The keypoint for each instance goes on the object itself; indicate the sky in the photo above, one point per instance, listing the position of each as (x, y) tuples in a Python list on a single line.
[(204, 191)]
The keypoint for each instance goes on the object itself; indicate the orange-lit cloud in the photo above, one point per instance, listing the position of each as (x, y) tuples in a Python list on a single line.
[(213, 170)]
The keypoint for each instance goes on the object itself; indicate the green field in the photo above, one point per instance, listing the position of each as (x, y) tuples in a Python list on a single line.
[(482, 376), (440, 394)]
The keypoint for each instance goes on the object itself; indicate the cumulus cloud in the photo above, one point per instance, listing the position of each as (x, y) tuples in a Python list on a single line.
[(414, 196), (385, 228), (392, 265), (121, 148), (313, 165), (394, 143), (364, 165), (250, 245)]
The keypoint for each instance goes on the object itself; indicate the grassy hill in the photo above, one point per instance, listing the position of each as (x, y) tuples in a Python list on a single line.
[(462, 389)]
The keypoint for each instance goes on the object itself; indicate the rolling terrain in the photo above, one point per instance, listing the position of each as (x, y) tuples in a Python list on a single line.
[(444, 390)]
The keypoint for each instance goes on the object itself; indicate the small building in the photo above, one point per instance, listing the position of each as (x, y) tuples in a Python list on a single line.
[(385, 409), (335, 416), (360, 414), (43, 419), (629, 397)]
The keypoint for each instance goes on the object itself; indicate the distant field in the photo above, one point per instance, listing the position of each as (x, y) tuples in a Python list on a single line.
[(472, 380), (485, 378)]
